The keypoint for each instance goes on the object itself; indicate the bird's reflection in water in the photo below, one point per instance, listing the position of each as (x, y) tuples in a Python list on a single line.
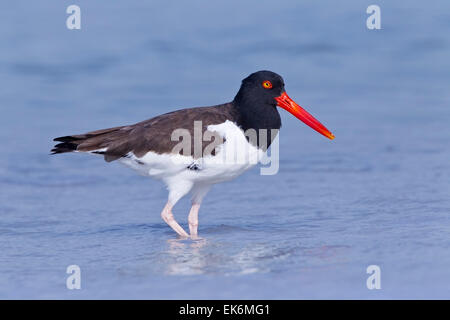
[(191, 257), (186, 257), (214, 256)]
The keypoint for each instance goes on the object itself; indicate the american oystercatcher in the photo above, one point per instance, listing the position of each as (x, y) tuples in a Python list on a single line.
[(210, 134)]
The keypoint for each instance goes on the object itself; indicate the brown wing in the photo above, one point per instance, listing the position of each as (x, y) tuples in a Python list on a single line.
[(149, 135)]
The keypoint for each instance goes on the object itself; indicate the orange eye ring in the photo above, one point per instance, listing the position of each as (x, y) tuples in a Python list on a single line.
[(267, 84)]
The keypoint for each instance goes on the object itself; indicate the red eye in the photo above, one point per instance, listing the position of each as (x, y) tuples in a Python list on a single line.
[(267, 84)]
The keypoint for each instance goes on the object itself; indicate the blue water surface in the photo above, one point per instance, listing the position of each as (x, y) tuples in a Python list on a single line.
[(378, 194)]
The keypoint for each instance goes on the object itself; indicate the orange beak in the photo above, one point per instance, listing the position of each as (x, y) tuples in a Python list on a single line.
[(292, 107)]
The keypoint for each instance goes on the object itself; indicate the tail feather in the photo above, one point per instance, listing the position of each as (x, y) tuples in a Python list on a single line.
[(69, 138), (64, 147), (88, 142)]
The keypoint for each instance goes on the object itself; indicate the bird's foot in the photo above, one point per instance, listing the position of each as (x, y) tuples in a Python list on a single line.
[(195, 237)]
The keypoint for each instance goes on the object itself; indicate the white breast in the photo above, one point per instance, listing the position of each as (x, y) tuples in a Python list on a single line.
[(231, 159)]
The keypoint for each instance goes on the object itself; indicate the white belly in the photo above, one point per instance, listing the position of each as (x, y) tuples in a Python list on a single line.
[(231, 159)]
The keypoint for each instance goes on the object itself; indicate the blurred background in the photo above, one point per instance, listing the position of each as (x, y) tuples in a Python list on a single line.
[(378, 194)]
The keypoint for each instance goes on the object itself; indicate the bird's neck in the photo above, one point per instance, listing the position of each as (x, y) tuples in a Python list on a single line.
[(256, 115), (263, 118)]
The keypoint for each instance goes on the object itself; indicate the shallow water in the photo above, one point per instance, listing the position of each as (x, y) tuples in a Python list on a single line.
[(377, 194)]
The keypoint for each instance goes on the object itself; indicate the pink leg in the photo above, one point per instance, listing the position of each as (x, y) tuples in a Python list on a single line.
[(198, 192), (168, 217), (193, 219)]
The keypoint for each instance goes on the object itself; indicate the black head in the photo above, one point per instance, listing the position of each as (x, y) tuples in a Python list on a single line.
[(257, 101), (261, 87)]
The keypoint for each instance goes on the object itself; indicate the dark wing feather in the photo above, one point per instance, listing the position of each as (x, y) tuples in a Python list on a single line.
[(149, 135)]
